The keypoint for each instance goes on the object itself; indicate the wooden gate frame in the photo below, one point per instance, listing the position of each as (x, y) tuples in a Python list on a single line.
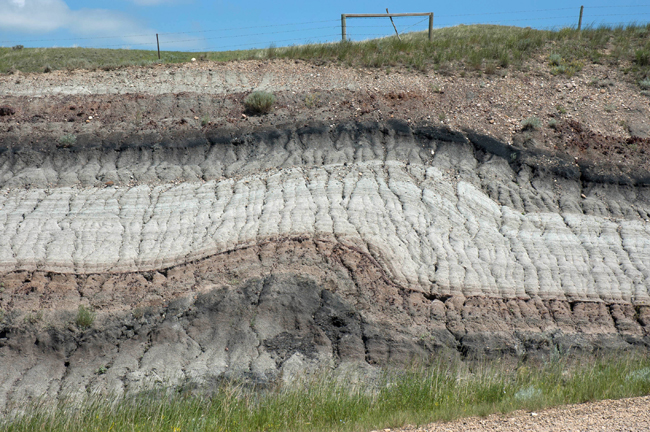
[(387, 15)]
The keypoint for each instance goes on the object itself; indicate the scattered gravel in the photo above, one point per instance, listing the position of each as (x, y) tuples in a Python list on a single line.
[(610, 415)]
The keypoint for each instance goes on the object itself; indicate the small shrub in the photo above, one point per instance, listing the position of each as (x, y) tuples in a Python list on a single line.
[(85, 317), (138, 313), (560, 109), (574, 67), (639, 375), (272, 51), (33, 318), (47, 69), (312, 100), (642, 57), (569, 69), (475, 60), (205, 119), (2, 315), (67, 140), (436, 88), (552, 123), (442, 116), (528, 393), (259, 102), (138, 118), (555, 59), (504, 60), (645, 84), (17, 47), (531, 123), (490, 68)]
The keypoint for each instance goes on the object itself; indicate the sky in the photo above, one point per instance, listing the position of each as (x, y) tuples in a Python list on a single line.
[(219, 25)]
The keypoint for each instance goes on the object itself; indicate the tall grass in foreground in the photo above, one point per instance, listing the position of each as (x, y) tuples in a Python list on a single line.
[(325, 402)]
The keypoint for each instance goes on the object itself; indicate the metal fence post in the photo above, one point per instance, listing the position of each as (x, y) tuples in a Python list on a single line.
[(158, 43)]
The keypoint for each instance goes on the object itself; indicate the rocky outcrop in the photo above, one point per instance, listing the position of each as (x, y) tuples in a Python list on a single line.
[(256, 254)]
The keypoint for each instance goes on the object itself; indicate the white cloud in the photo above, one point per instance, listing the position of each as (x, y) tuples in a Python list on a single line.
[(42, 16)]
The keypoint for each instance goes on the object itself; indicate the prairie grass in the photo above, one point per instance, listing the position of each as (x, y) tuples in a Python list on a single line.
[(325, 402), (472, 48)]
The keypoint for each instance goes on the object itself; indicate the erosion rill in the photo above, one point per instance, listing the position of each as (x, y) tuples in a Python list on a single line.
[(259, 253)]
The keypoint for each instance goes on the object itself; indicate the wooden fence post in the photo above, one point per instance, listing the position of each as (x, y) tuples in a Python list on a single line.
[(393, 23), (431, 27), (580, 19), (343, 28)]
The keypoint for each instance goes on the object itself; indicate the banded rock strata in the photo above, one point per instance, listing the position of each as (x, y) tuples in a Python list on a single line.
[(435, 215), (259, 254)]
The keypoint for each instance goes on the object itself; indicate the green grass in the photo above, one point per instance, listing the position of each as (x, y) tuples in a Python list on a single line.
[(85, 317), (324, 403), (472, 48)]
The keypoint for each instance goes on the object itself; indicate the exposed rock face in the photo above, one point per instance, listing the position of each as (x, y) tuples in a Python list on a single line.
[(260, 254), (436, 215)]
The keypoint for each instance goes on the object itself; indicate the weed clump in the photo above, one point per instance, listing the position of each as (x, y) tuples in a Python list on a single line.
[(85, 317), (568, 69), (531, 123), (642, 57), (259, 102), (554, 59), (33, 318), (645, 84), (67, 140)]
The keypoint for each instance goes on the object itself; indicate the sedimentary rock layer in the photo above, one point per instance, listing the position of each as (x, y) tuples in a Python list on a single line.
[(438, 213)]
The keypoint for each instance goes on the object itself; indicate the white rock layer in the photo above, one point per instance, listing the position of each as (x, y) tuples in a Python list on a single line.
[(427, 229)]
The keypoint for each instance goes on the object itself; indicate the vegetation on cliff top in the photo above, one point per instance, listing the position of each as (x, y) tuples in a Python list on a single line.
[(485, 48)]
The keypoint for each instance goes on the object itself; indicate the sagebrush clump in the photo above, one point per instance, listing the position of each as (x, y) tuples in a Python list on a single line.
[(259, 102), (67, 140), (531, 123)]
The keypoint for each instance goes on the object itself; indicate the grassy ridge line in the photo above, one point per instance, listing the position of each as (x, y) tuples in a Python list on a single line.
[(325, 403), (475, 47)]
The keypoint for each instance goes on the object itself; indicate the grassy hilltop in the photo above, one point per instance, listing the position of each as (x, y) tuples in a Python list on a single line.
[(483, 48)]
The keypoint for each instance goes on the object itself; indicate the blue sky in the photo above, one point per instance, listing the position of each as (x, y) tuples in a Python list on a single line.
[(201, 25)]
